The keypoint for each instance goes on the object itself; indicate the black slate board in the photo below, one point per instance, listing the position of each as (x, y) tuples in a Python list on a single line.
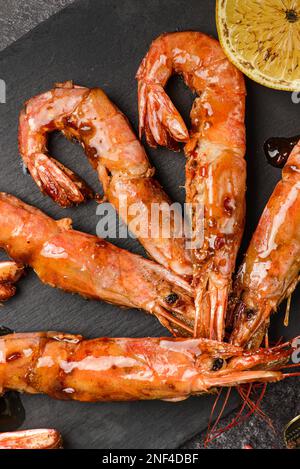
[(101, 43)]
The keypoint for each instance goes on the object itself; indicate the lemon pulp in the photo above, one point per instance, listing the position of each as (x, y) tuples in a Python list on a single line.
[(262, 38)]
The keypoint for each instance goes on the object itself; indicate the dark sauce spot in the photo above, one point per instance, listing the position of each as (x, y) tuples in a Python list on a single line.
[(217, 364), (14, 356), (91, 152), (278, 149), (171, 298), (219, 242), (250, 313), (86, 128), (12, 412), (291, 15), (228, 206), (101, 244)]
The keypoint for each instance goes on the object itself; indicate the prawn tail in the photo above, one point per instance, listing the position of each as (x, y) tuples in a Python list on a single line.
[(159, 118), (64, 186)]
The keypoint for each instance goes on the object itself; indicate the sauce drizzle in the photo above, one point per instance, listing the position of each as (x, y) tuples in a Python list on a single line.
[(278, 149)]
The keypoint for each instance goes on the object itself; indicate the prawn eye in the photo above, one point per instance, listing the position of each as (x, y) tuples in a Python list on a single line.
[(217, 364), (171, 298)]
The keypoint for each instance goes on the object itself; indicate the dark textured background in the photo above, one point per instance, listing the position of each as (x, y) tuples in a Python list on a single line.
[(281, 402)]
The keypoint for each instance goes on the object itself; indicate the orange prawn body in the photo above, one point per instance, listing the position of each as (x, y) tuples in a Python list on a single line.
[(215, 150), (270, 271), (85, 264), (113, 150), (66, 366)]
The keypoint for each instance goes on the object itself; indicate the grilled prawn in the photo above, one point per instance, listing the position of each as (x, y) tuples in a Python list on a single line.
[(119, 159), (215, 150), (66, 366), (270, 271), (81, 263), (31, 439)]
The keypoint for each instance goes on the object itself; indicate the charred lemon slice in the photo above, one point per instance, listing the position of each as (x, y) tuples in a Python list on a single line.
[(262, 38)]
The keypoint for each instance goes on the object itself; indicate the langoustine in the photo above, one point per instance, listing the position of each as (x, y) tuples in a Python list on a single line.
[(81, 263), (66, 366), (215, 150), (270, 271), (120, 160), (43, 438)]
